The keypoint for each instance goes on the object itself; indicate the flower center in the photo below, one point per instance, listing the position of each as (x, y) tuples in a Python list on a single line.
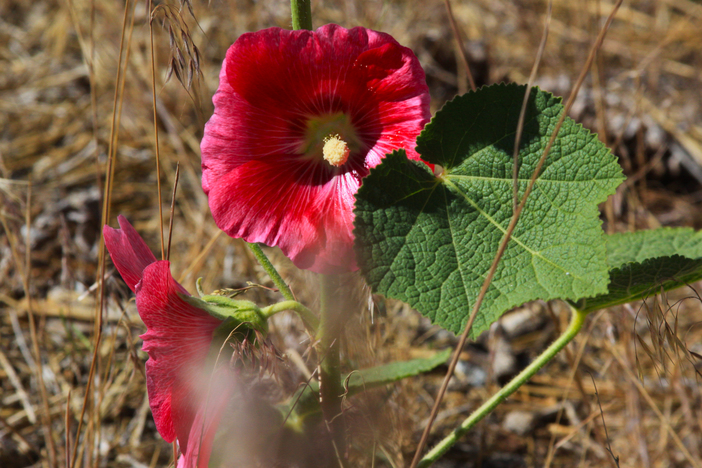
[(335, 150), (330, 137)]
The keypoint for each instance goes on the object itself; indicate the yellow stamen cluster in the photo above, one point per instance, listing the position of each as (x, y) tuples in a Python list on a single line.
[(336, 151)]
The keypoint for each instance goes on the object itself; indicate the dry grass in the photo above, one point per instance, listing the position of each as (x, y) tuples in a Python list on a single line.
[(643, 97)]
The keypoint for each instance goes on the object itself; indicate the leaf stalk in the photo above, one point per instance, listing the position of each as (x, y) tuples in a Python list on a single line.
[(308, 318), (272, 272), (576, 324)]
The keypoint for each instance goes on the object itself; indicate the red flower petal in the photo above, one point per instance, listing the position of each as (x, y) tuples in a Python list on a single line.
[(307, 210), (129, 252), (177, 340), (205, 424), (272, 83), (178, 335)]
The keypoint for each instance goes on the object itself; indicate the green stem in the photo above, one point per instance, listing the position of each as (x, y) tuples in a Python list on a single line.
[(328, 336), (576, 323), (308, 318), (272, 272), (301, 14)]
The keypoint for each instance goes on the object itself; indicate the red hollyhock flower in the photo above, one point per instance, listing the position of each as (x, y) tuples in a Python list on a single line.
[(177, 339), (300, 118)]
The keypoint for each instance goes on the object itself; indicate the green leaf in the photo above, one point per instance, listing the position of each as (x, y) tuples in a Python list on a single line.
[(430, 241), (306, 400), (642, 245), (366, 379), (645, 262)]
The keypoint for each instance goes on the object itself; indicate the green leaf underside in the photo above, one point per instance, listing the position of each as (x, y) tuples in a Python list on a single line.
[(430, 241), (645, 262), (373, 377), (366, 379), (639, 246)]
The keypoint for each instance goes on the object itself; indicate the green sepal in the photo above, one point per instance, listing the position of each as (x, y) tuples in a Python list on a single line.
[(234, 313)]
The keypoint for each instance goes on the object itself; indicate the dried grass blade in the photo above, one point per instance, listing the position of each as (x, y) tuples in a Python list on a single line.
[(156, 146), (67, 429), (106, 203), (459, 42), (19, 436), (170, 222), (46, 413), (522, 111), (652, 404), (19, 388)]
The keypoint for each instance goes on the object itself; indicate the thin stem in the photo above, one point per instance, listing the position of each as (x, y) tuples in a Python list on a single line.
[(576, 323), (106, 203), (38, 366), (272, 272), (156, 147), (330, 389), (301, 14), (459, 42), (308, 318), (522, 111), (170, 222)]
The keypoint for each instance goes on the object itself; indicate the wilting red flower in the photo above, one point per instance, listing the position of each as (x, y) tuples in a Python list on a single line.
[(177, 339), (300, 118)]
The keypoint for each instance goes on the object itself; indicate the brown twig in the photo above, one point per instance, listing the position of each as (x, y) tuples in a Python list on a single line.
[(107, 194), (156, 147), (522, 111), (113, 148), (26, 278), (19, 389), (170, 222), (297, 400), (573, 362), (205, 250), (614, 459), (459, 42), (119, 100), (67, 425), (665, 423), (19, 436), (508, 234)]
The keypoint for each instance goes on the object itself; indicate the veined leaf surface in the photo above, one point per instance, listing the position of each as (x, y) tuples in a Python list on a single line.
[(430, 240)]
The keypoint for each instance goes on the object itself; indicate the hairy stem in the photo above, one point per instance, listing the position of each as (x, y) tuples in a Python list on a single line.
[(576, 323), (330, 389), (308, 318), (301, 14), (272, 272)]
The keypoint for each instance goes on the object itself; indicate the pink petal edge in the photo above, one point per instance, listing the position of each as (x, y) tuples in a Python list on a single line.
[(128, 251), (178, 335), (177, 339)]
